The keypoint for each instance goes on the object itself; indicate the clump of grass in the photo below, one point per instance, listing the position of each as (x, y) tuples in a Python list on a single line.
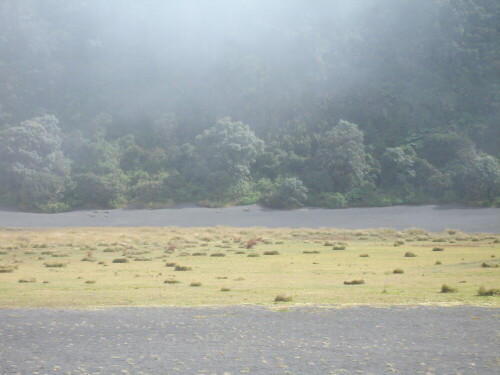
[(489, 265), (339, 247), (171, 281), (217, 255), (90, 282), (398, 270), (409, 254), (143, 259), (272, 252), (483, 292), (224, 289), (439, 240), (239, 252), (399, 243), (7, 269), (447, 289), (3, 252), (27, 280), (59, 255), (195, 283), (354, 282), (438, 263), (253, 255), (199, 254), (120, 260), (54, 264), (283, 298), (88, 259), (496, 240), (170, 264), (111, 250), (437, 249), (182, 268), (310, 252), (251, 243), (328, 243), (364, 255), (47, 252)]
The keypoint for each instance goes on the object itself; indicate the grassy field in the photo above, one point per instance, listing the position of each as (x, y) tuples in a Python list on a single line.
[(93, 267)]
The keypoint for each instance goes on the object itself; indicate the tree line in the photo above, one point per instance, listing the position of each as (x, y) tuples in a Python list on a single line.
[(323, 103)]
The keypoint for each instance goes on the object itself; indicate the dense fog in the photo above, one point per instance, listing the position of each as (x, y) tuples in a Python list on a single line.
[(286, 103)]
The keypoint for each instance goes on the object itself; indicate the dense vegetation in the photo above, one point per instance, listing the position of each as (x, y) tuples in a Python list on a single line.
[(331, 103)]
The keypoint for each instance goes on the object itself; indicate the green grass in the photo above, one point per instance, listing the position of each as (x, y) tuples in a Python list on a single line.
[(304, 268)]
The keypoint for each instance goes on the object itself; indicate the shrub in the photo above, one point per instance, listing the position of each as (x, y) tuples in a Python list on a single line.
[(88, 259), (225, 289), (272, 252), (331, 200), (439, 240), (182, 268), (438, 249), (398, 270), (170, 264), (283, 298), (310, 252), (253, 255), (339, 247), (364, 255), (447, 289), (90, 282), (196, 283), (483, 292), (328, 243), (409, 254), (199, 254), (6, 269), (354, 282), (120, 260), (240, 252), (438, 262), (218, 255), (399, 243), (54, 265), (171, 281)]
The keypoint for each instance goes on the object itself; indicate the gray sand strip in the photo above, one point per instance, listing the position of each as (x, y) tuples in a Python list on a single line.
[(244, 339), (433, 218)]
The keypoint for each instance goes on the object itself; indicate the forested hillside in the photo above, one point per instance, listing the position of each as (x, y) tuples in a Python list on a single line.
[(330, 103)]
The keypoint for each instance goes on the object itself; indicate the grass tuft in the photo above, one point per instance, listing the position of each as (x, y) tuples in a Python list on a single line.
[(447, 289), (483, 292), (120, 260), (354, 282), (409, 254), (283, 298), (272, 252), (182, 268)]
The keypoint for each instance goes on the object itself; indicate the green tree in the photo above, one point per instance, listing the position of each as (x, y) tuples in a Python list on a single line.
[(342, 156), (33, 168), (289, 193)]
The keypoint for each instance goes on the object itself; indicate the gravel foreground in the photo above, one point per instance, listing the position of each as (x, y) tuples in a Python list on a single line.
[(251, 340)]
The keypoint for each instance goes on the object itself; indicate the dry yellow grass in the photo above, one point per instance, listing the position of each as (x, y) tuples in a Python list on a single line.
[(305, 269)]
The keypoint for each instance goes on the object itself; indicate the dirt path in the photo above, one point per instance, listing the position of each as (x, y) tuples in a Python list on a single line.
[(253, 340), (433, 218)]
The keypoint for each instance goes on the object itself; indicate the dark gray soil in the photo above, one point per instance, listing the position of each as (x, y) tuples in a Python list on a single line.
[(433, 218), (254, 340)]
